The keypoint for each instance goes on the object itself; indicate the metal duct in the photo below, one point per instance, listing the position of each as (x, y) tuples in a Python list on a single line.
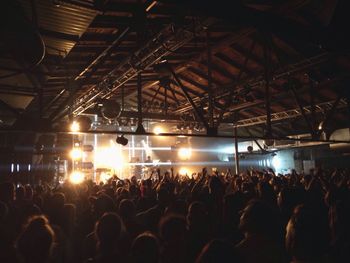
[(341, 135)]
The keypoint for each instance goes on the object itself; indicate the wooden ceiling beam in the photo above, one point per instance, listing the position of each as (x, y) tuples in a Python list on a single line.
[(193, 82), (234, 63), (245, 52)]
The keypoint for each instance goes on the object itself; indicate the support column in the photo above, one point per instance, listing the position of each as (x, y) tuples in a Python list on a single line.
[(210, 91), (236, 152), (140, 129)]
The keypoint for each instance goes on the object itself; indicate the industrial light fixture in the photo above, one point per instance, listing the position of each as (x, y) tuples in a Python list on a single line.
[(76, 177), (75, 127), (250, 149), (158, 130), (76, 154), (56, 3), (122, 140), (185, 153), (320, 126), (82, 123), (152, 4)]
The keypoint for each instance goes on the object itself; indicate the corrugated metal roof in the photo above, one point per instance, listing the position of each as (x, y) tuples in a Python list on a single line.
[(66, 18)]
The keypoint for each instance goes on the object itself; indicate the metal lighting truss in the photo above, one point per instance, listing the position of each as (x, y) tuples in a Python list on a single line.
[(293, 113), (258, 80), (153, 51)]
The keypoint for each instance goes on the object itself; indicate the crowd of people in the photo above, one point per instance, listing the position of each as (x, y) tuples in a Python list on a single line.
[(256, 216)]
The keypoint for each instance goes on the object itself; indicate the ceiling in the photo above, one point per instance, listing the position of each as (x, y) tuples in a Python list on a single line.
[(273, 68)]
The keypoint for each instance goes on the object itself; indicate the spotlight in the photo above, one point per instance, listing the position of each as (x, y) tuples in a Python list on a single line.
[(76, 154), (76, 177), (269, 142), (110, 110), (157, 130), (320, 126), (276, 162), (104, 177), (122, 140), (75, 126), (82, 123), (250, 149), (185, 153)]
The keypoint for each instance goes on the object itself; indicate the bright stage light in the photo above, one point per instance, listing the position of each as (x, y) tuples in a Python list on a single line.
[(104, 177), (184, 171), (146, 148), (75, 126), (158, 130), (76, 154), (276, 162), (108, 157), (185, 153), (76, 177), (228, 150)]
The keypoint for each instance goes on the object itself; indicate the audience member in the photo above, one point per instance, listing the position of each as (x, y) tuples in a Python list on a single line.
[(256, 216)]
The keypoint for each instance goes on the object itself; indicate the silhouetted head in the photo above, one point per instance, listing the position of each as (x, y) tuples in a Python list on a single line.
[(145, 248), (288, 198), (197, 215), (266, 192), (107, 231), (172, 229), (58, 200), (20, 193), (102, 204), (215, 186), (28, 192), (127, 209), (217, 251), (307, 234), (178, 207), (259, 218), (35, 242), (163, 196)]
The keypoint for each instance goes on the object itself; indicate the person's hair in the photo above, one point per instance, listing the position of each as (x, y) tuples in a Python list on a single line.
[(197, 214), (107, 231), (266, 192), (163, 196), (127, 209), (307, 234), (58, 200), (215, 185), (28, 192), (260, 218), (145, 248), (172, 228), (217, 251), (103, 204), (35, 242), (20, 193)]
